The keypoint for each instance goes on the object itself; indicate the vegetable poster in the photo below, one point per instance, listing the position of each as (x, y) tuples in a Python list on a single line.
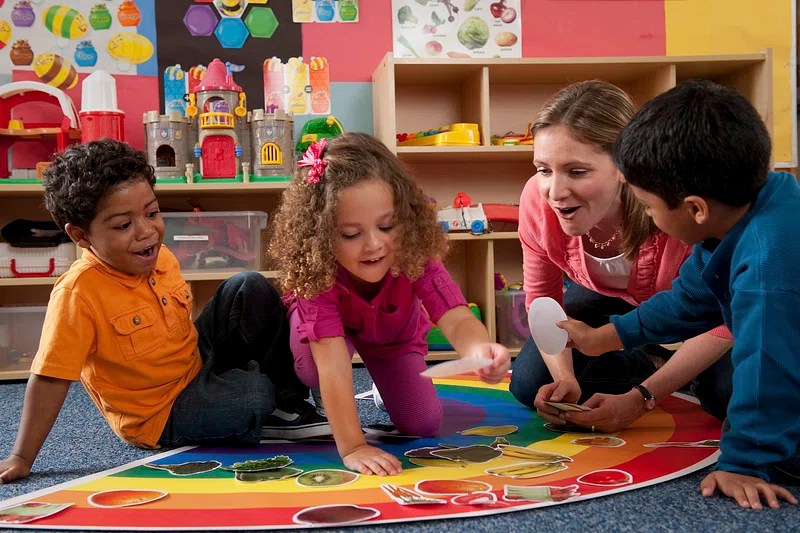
[(457, 28)]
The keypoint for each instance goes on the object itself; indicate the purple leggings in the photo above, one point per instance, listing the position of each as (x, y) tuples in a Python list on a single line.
[(410, 399)]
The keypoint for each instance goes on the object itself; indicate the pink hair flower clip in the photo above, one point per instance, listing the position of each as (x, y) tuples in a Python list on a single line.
[(313, 158)]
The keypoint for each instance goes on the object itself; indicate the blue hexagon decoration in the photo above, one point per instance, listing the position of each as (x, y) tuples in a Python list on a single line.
[(261, 21), (231, 33)]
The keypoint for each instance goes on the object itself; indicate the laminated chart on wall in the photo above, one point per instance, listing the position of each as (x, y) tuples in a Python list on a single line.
[(325, 10), (296, 86), (241, 32), (57, 39), (492, 455), (457, 28)]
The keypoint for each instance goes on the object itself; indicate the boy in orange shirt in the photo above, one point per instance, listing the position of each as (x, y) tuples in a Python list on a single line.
[(119, 321)]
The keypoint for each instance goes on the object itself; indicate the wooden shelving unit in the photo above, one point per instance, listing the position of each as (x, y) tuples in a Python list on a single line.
[(500, 95), (25, 201), (503, 95)]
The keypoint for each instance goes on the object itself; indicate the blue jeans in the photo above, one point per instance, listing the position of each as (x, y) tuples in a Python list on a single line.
[(243, 339), (613, 372)]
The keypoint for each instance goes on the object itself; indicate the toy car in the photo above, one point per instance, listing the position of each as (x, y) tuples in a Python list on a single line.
[(469, 218)]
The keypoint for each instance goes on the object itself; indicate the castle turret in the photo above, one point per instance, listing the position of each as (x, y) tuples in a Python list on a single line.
[(272, 141), (169, 140)]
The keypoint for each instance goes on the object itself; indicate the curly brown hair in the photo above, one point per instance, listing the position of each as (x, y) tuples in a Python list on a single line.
[(303, 230), (596, 111), (78, 178)]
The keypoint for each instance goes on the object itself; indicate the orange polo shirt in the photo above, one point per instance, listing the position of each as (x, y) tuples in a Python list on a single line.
[(129, 339)]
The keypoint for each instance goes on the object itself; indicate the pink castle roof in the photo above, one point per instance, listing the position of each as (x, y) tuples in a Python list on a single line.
[(217, 78)]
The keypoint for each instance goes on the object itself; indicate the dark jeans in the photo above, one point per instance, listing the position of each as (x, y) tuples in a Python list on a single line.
[(613, 372), (243, 339)]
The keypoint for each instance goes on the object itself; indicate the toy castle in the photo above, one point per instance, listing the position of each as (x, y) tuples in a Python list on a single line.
[(219, 139)]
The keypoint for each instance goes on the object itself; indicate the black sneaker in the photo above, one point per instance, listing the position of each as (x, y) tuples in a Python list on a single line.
[(300, 422)]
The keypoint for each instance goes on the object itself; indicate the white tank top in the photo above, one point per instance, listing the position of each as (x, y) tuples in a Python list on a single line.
[(611, 273)]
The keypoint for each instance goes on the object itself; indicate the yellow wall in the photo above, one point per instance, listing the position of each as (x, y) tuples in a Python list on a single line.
[(742, 26)]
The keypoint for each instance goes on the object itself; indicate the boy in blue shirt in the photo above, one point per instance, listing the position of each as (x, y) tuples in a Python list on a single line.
[(698, 157)]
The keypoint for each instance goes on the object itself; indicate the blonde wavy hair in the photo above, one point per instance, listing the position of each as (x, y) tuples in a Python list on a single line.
[(304, 232), (595, 112)]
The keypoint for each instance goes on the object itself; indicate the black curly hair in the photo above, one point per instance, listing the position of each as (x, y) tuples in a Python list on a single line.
[(699, 138), (78, 178)]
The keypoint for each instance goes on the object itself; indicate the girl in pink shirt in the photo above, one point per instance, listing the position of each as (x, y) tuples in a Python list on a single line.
[(360, 255), (579, 221)]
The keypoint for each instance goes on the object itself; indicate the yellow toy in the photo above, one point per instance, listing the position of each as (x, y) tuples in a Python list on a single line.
[(458, 134)]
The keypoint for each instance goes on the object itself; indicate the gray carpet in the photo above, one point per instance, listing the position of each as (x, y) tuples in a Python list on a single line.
[(82, 444)]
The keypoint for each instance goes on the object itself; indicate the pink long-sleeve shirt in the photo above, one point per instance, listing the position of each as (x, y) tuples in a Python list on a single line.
[(548, 253)]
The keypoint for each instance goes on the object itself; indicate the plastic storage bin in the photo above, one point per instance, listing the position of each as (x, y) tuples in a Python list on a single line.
[(512, 318), (18, 262), (20, 329), (216, 240)]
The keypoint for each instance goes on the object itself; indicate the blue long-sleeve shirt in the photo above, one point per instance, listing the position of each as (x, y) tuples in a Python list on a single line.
[(750, 280)]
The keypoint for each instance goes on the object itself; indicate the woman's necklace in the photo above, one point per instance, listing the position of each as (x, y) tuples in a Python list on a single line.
[(605, 244)]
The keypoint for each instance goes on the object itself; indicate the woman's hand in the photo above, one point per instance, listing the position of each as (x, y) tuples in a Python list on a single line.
[(558, 391), (610, 412), (371, 460)]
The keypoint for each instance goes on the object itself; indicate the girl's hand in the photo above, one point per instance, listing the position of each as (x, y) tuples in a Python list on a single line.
[(501, 362), (371, 460)]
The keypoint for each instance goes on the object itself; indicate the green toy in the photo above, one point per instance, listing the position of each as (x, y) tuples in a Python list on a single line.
[(436, 339), (316, 129)]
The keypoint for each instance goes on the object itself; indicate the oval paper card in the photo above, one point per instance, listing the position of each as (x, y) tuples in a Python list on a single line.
[(542, 318)]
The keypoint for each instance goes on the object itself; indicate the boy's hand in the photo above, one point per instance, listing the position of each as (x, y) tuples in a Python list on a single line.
[(13, 467), (501, 362), (371, 460), (746, 490), (590, 341), (559, 391)]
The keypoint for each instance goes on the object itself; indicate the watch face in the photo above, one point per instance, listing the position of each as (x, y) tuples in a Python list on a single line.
[(649, 399)]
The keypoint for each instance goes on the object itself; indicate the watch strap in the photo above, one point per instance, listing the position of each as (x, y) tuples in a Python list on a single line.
[(649, 399)]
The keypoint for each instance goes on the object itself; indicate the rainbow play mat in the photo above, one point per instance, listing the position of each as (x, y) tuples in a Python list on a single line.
[(494, 456)]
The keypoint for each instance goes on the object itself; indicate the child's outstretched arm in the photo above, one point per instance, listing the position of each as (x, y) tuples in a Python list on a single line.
[(588, 340), (44, 397), (336, 385), (469, 337)]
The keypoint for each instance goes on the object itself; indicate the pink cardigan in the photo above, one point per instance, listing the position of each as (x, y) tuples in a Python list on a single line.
[(548, 253)]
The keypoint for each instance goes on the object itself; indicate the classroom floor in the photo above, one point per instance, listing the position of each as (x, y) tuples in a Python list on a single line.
[(81, 444)]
